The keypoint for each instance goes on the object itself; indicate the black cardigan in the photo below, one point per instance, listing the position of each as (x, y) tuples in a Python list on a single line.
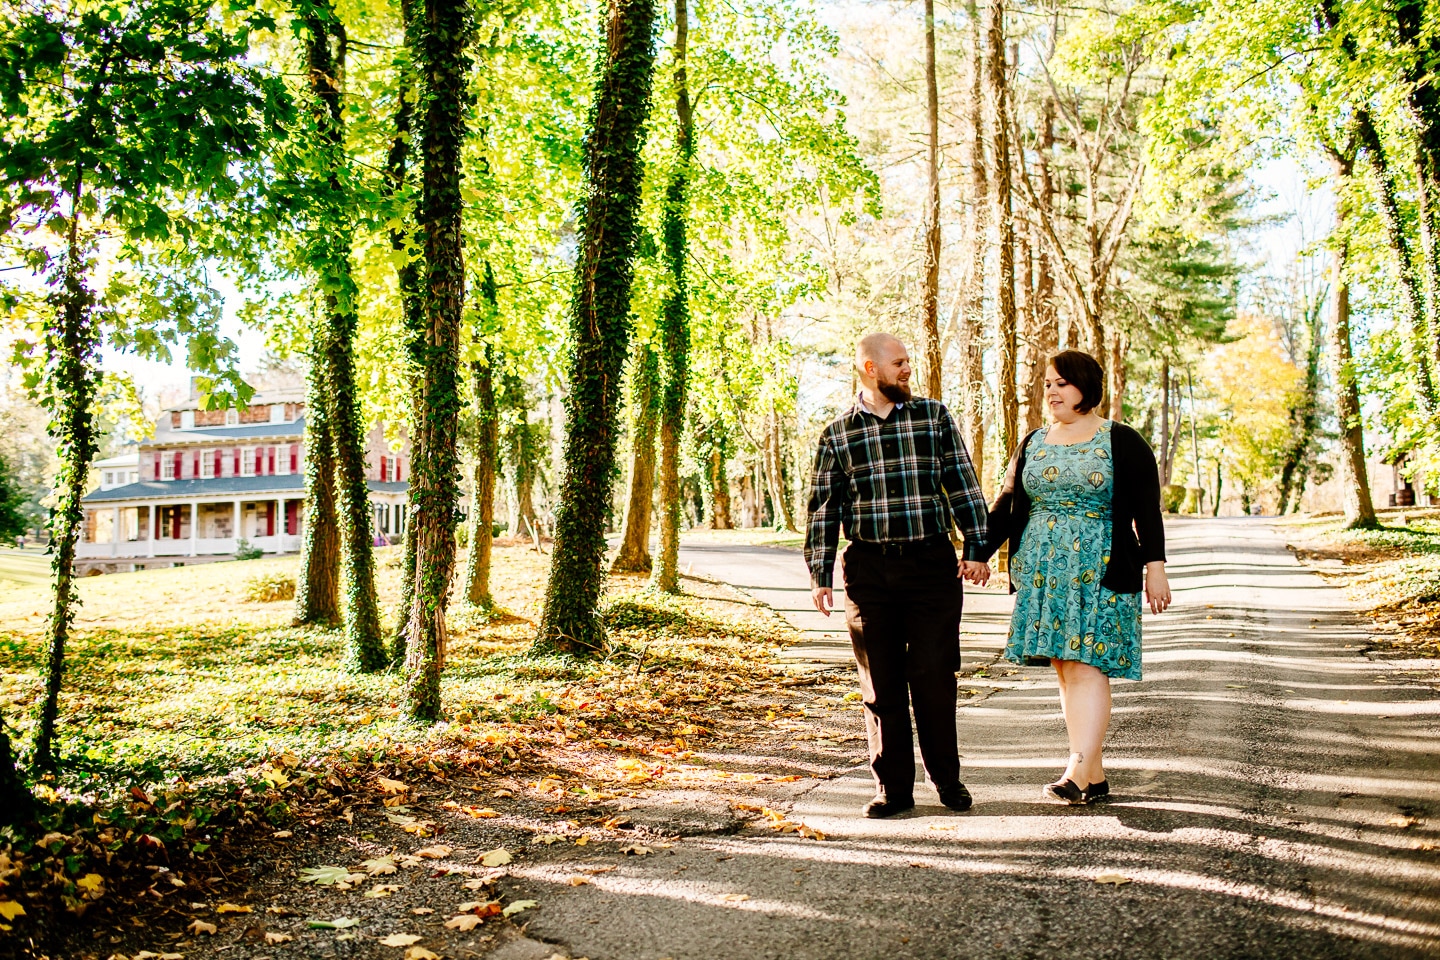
[(1134, 510)]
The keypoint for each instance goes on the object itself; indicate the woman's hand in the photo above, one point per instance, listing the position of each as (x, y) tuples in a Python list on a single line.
[(1157, 586)]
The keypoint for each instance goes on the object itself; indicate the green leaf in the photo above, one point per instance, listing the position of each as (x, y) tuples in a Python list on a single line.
[(324, 876)]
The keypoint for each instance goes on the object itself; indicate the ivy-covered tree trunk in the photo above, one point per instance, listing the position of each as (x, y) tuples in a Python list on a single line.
[(675, 320), (482, 483), (930, 304), (1304, 416), (634, 553), (972, 295), (317, 591), (72, 342), (412, 305), (1423, 101), (524, 443), (439, 40), (1002, 204), (599, 324), (330, 251), (1354, 481), (1045, 340), (721, 517)]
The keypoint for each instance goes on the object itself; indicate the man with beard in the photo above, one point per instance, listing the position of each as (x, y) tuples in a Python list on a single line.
[(895, 474)]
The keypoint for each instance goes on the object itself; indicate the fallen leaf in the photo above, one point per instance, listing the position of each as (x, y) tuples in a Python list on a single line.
[(1118, 879), (382, 890), (339, 923), (92, 883), (9, 909), (200, 926), (1401, 821), (437, 852), (735, 897), (578, 881), (282, 834), (581, 840), (234, 908), (278, 937), (550, 838), (399, 940), (518, 906), (495, 858), (420, 953), (476, 884), (636, 850), (325, 876), (422, 911), (379, 866), (464, 922), (391, 786)]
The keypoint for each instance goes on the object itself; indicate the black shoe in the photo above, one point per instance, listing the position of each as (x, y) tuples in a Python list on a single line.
[(955, 796), (883, 806), (1066, 792), (1096, 791)]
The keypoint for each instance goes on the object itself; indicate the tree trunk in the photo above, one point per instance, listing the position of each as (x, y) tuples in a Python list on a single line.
[(1118, 344), (720, 518), (972, 297), (438, 40), (482, 477), (72, 345), (1354, 481), (1005, 334), (397, 169), (317, 592), (1047, 316), (930, 308), (1423, 101), (1304, 416), (775, 473), (599, 329), (634, 555), (675, 321), (1165, 455)]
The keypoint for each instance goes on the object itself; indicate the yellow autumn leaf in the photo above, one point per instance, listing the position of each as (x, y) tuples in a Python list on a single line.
[(91, 883), (200, 926), (399, 940), (495, 858), (9, 909), (391, 786), (234, 908), (464, 922), (1118, 879), (420, 953), (438, 852), (278, 937)]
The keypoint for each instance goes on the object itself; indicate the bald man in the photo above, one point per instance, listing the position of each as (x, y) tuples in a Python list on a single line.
[(894, 473)]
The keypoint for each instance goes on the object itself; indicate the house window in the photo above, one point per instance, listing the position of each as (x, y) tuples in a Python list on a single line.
[(277, 413), (187, 420), (232, 418), (207, 466), (167, 467), (247, 463)]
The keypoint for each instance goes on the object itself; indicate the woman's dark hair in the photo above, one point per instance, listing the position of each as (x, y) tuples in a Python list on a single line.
[(1084, 373)]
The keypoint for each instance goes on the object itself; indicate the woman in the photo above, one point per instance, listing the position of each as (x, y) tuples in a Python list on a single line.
[(1080, 506)]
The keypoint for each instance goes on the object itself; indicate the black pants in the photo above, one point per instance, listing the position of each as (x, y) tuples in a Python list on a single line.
[(903, 611)]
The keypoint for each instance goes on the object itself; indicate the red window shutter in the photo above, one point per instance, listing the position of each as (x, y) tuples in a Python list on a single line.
[(195, 465), (294, 458), (156, 462), (179, 466), (271, 461), (235, 464), (219, 462)]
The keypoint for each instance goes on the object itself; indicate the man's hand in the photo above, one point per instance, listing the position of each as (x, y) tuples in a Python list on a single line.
[(976, 571), (824, 598)]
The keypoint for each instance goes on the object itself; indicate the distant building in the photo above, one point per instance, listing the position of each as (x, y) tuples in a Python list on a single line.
[(210, 478)]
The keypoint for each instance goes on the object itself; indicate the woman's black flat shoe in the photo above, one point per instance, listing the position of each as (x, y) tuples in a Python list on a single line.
[(1066, 792), (1096, 791)]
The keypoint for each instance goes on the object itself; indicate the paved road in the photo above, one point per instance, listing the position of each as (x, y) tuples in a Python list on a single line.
[(1277, 794)]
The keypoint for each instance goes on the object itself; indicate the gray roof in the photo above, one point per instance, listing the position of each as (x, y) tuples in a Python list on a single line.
[(220, 487), (249, 431)]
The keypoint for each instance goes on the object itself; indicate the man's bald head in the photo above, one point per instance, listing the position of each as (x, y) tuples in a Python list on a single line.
[(883, 364)]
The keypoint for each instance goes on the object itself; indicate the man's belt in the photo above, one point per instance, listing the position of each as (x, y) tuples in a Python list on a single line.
[(901, 548)]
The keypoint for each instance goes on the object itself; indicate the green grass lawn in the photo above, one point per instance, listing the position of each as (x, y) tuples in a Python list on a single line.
[(23, 567)]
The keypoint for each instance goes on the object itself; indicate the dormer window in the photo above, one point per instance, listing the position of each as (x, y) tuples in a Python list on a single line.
[(232, 418), (277, 413), (187, 419)]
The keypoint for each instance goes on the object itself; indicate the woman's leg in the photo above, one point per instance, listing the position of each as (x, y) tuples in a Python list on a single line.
[(1085, 699)]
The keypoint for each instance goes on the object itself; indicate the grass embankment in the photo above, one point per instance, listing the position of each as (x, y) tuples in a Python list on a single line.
[(1392, 571), (192, 715)]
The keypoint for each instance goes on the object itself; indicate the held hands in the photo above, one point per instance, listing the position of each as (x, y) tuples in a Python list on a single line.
[(1157, 586), (976, 571)]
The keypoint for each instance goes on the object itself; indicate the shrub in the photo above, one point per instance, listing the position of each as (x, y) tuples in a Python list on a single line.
[(245, 551), (1172, 496), (270, 587)]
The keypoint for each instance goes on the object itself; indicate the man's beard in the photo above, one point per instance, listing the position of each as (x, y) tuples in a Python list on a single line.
[(896, 392)]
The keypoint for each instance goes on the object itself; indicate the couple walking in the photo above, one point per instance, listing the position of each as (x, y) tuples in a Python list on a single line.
[(1080, 508)]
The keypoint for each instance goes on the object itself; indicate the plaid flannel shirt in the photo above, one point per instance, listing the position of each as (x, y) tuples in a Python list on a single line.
[(905, 478)]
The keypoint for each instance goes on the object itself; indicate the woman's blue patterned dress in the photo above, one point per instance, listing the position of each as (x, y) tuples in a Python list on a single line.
[(1061, 610)]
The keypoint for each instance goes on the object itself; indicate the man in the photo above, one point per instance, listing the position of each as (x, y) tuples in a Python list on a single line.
[(895, 473)]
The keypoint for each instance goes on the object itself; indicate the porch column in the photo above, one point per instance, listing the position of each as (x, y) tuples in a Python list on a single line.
[(235, 526), (194, 527), (152, 525), (279, 524), (115, 532)]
